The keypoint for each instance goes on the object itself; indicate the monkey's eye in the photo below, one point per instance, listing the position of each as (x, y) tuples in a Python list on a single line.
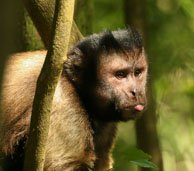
[(120, 74), (138, 72)]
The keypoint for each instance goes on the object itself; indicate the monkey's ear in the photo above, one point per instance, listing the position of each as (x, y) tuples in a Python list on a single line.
[(73, 67), (75, 56)]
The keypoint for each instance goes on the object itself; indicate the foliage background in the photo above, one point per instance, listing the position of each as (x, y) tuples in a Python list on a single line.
[(171, 52), (170, 48)]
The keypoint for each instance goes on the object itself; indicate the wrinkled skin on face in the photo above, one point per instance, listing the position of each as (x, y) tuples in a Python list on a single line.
[(121, 88)]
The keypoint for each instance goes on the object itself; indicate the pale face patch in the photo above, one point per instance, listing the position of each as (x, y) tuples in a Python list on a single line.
[(122, 81)]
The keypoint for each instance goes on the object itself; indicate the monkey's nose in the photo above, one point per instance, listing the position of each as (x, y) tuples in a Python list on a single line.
[(133, 92)]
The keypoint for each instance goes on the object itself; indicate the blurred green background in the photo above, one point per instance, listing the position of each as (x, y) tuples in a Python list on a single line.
[(166, 130), (170, 48)]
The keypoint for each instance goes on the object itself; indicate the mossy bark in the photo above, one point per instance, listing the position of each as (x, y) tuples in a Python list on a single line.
[(146, 131), (42, 13), (46, 84)]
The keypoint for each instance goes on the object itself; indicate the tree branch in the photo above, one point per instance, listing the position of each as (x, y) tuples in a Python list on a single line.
[(42, 13), (46, 84)]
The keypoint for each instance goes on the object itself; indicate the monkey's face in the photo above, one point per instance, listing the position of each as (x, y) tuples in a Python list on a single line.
[(121, 86)]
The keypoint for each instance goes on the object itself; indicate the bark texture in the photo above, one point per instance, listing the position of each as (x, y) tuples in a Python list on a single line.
[(42, 13), (46, 84)]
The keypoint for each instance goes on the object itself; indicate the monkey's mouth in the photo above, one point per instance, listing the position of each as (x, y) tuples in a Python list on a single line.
[(132, 112)]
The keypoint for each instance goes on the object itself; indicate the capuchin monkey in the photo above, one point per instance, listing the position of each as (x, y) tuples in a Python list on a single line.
[(103, 82)]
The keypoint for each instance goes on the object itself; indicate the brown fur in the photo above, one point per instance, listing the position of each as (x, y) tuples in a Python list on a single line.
[(103, 82), (67, 149)]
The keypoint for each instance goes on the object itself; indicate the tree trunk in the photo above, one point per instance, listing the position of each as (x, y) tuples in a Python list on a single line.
[(135, 15), (46, 84), (41, 13), (146, 131)]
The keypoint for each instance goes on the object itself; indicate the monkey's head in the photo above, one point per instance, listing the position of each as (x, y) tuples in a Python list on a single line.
[(109, 71)]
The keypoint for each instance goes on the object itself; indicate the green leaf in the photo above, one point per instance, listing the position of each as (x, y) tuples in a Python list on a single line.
[(145, 164), (124, 155), (135, 154), (131, 153)]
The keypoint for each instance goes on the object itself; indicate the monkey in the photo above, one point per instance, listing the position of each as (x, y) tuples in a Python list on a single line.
[(103, 83)]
